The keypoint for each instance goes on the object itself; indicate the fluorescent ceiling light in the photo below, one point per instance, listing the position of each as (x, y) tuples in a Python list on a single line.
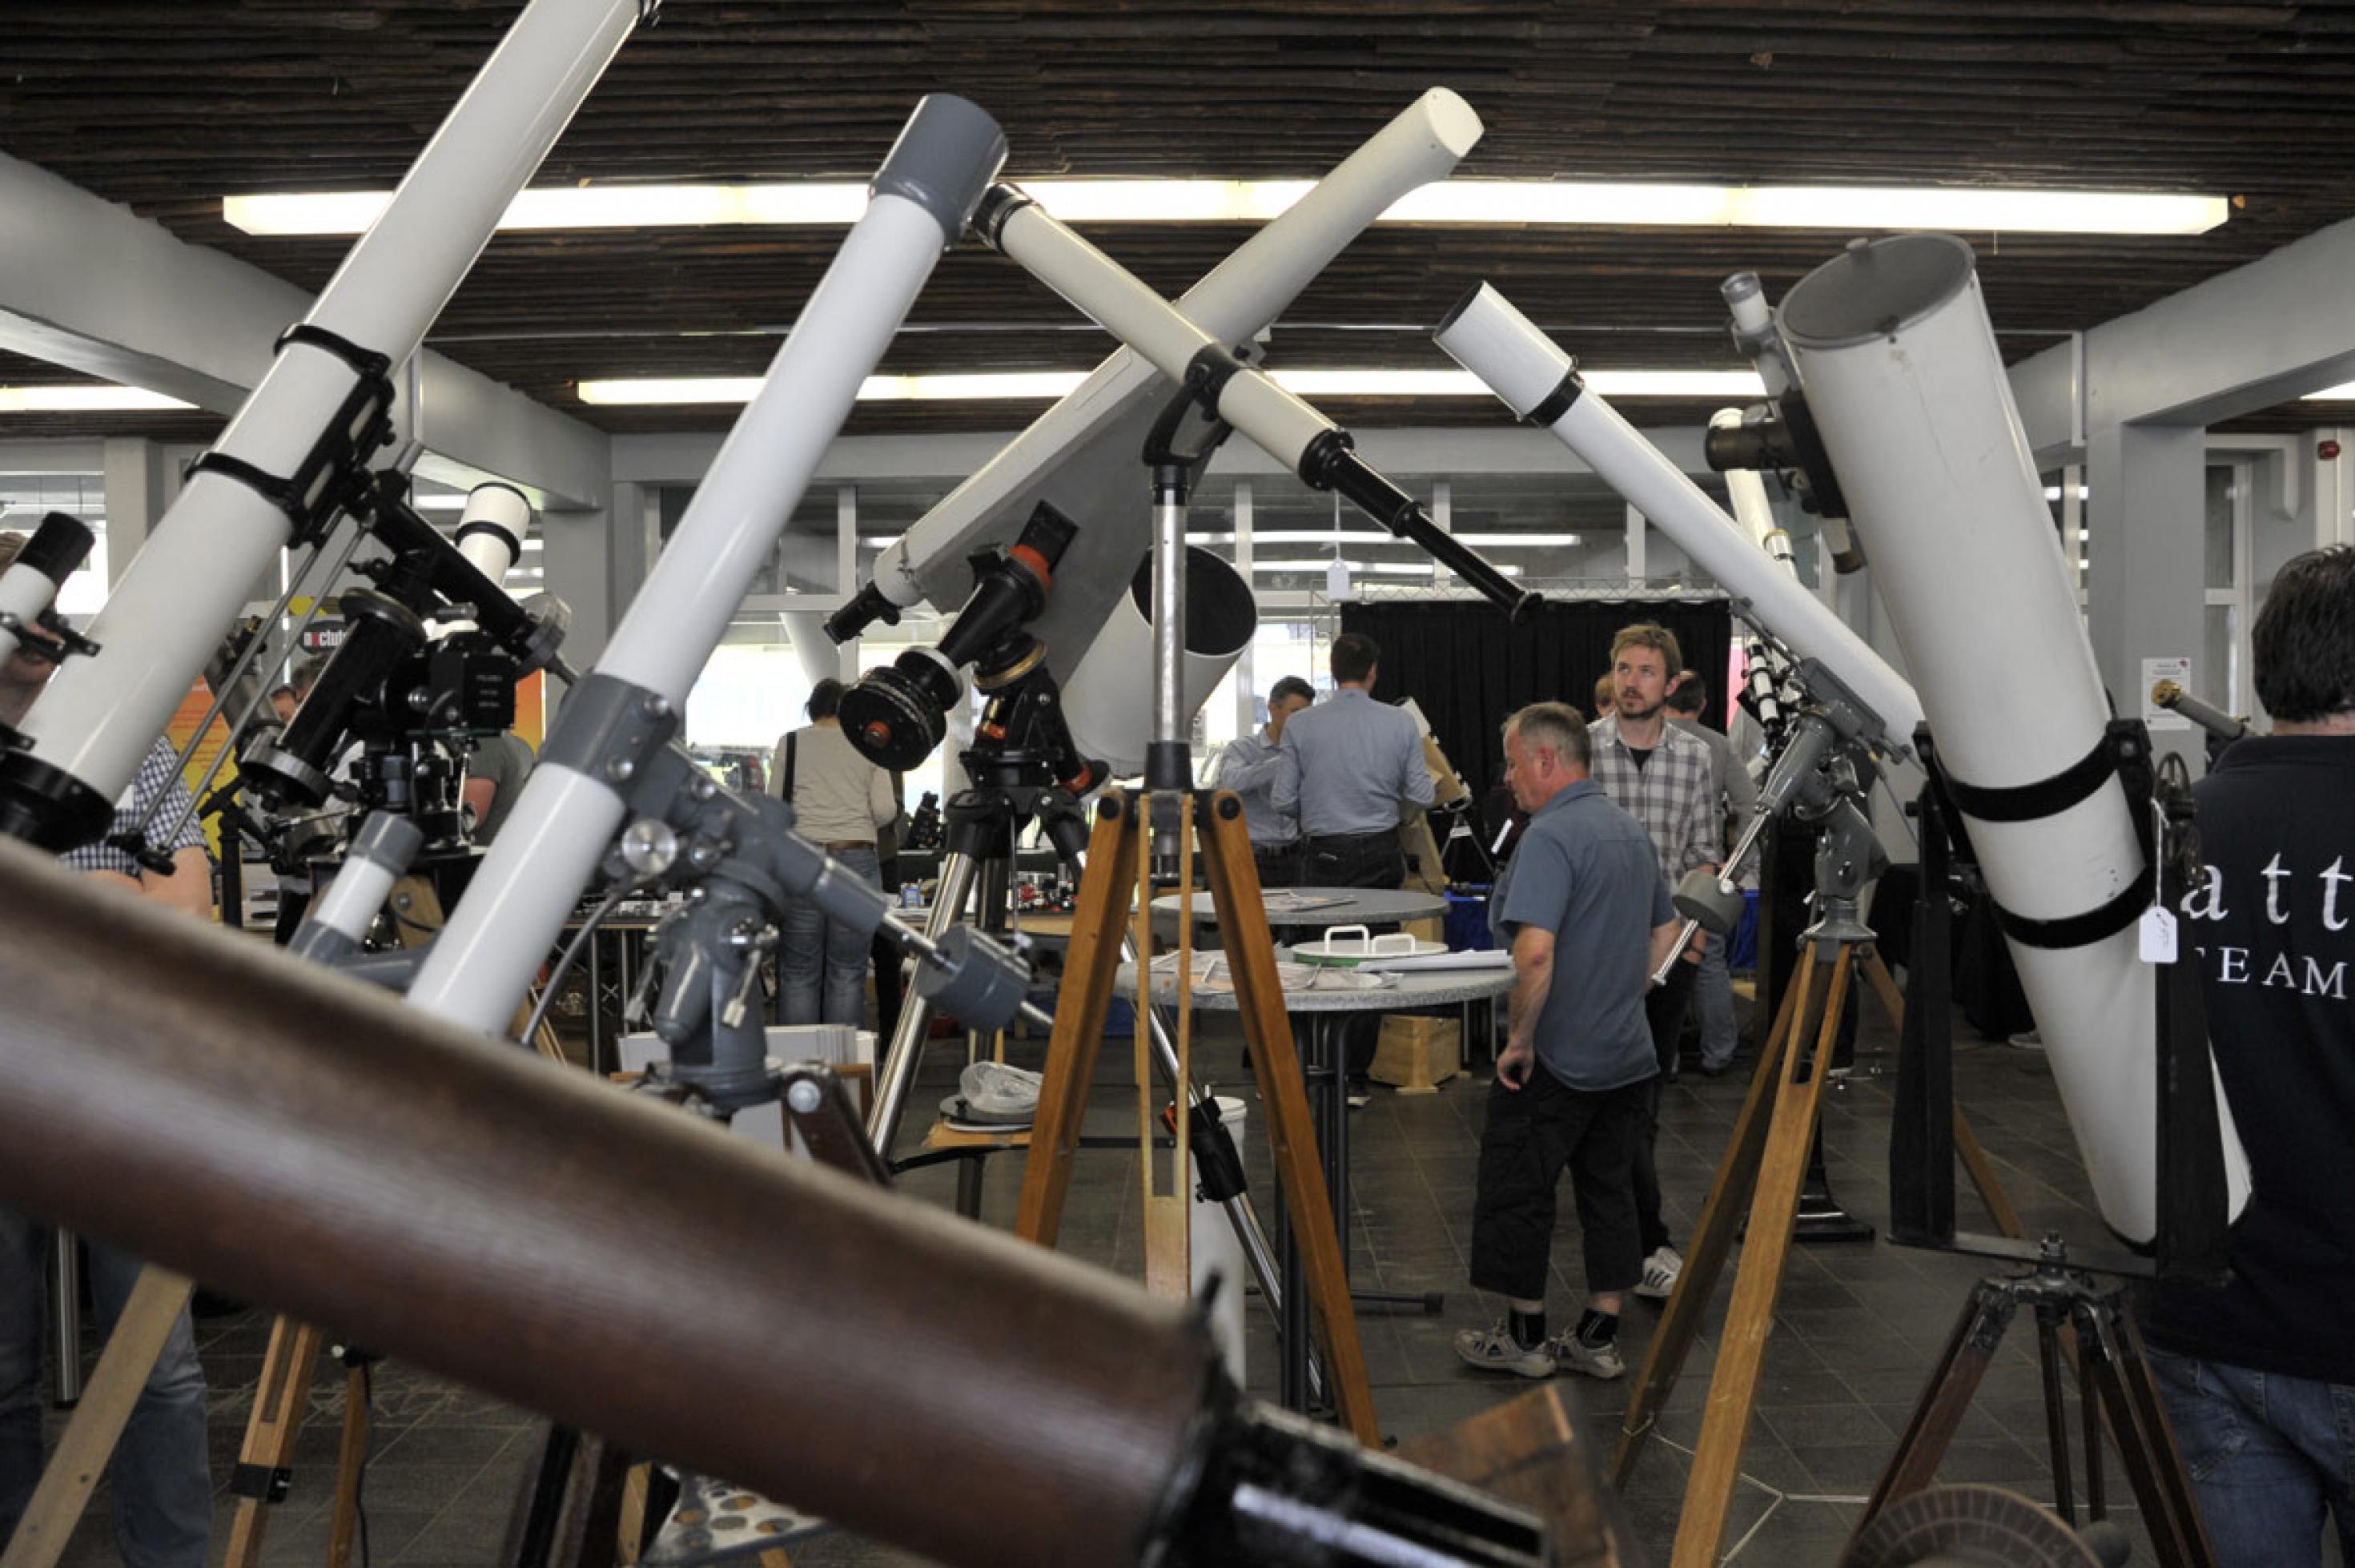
[(1514, 203), (1518, 541), (1046, 385), (1366, 568), (2343, 392), (1302, 536), (84, 398)]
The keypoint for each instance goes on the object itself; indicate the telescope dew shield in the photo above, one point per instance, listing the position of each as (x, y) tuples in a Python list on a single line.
[(90, 729), (573, 804), (492, 529), (1894, 344), (50, 554), (1100, 701), (1489, 337)]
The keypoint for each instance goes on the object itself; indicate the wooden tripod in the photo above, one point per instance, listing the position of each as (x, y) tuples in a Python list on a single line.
[(282, 1397), (1115, 851), (1763, 1169)]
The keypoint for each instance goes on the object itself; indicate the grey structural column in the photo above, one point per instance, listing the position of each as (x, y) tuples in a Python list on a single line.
[(2145, 534), (139, 485)]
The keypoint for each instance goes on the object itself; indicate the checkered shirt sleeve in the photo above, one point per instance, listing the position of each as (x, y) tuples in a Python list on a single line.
[(159, 779), (1674, 796)]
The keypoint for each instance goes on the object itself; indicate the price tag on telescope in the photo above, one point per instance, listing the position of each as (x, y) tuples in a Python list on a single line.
[(2158, 935)]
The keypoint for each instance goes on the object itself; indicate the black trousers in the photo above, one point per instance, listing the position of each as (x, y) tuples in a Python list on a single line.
[(1664, 1011), (1363, 860), (1532, 1135), (1279, 865)]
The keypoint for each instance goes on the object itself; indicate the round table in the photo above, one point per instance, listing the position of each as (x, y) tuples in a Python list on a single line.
[(1358, 906), (1321, 1068)]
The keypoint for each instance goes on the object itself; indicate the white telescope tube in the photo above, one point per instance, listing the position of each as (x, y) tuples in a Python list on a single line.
[(1486, 335), (1099, 699), (492, 529), (1082, 454), (1746, 489), (1281, 424), (89, 730), (490, 534), (565, 819), (1892, 343)]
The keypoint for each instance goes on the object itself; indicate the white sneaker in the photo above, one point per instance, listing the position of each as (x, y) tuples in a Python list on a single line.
[(1661, 1271), (1494, 1349), (1574, 1354)]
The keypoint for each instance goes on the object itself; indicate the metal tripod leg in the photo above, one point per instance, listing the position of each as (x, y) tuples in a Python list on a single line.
[(896, 1074)]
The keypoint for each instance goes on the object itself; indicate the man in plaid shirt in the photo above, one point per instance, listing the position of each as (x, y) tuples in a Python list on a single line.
[(161, 1474), (1665, 778)]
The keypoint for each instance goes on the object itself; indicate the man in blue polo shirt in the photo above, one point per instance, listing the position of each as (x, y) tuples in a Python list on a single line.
[(1587, 917)]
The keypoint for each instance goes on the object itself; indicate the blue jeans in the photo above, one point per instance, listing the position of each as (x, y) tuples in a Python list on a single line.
[(1713, 996), (822, 964), (163, 1486), (2267, 1454)]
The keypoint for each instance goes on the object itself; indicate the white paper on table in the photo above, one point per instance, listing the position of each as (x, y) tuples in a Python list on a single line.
[(1484, 958)]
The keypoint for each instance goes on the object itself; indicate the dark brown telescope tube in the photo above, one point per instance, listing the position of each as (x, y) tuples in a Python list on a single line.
[(233, 1114)]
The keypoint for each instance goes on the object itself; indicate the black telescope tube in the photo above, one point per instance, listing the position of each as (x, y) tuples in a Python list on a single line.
[(1331, 462)]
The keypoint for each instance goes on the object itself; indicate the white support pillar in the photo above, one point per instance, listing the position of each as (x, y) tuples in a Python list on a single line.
[(2144, 531), (139, 485), (596, 559), (1635, 546), (846, 571)]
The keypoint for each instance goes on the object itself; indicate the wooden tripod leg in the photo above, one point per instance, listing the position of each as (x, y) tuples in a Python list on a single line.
[(146, 1322), (1088, 967), (1712, 1239), (1967, 1148), (1963, 1362), (1283, 1095), (1733, 1386), (351, 1465), (2138, 1421), (264, 1466)]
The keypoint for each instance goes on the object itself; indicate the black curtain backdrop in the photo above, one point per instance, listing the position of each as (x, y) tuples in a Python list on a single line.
[(1470, 668)]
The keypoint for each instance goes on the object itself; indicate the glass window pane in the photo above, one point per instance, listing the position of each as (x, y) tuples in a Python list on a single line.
[(2219, 526), (2218, 678)]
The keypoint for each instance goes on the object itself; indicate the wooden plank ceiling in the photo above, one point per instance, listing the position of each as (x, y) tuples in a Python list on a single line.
[(169, 105)]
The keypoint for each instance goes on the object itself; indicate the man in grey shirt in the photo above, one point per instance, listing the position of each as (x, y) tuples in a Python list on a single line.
[(1713, 987), (1248, 765), (1586, 916), (1352, 768)]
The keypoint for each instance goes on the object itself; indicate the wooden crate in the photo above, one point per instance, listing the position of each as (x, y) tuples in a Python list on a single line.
[(1416, 1055)]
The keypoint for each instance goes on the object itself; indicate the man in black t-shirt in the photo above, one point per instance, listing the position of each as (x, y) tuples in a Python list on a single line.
[(2259, 1374)]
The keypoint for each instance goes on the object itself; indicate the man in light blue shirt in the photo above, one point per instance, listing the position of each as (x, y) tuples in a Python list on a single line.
[(1249, 765), (1356, 769), (1353, 768)]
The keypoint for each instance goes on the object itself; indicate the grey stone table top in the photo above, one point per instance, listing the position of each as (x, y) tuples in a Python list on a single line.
[(1359, 906), (1415, 988)]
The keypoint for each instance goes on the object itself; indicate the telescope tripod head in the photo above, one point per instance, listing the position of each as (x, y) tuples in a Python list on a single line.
[(1823, 775)]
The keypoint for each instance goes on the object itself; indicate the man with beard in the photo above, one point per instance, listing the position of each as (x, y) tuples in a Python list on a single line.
[(1666, 779)]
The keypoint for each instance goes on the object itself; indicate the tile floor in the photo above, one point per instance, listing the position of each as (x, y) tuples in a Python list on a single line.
[(1857, 1329)]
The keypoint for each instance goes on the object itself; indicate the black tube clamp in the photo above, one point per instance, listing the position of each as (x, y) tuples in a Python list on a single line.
[(1556, 403), (334, 472)]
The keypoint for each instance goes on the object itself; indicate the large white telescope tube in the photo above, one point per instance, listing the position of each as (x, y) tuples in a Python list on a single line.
[(1084, 454), (566, 817), (1893, 342), (89, 730), (1489, 337)]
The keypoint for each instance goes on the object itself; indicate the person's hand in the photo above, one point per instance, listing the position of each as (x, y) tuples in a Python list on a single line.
[(1696, 947), (1514, 1065)]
